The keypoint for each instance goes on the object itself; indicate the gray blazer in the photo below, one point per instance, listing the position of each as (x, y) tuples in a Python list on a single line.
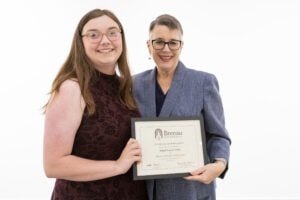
[(192, 93)]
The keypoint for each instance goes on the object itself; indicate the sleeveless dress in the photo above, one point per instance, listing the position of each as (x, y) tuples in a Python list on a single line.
[(103, 136)]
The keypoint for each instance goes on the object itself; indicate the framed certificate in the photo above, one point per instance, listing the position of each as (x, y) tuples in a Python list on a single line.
[(171, 147)]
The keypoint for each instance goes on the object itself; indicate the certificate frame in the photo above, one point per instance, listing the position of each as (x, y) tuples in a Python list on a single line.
[(171, 147)]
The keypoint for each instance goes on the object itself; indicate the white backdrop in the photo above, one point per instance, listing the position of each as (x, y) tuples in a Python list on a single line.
[(252, 46)]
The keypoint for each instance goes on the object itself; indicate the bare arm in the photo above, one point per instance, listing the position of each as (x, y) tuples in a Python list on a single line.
[(62, 119)]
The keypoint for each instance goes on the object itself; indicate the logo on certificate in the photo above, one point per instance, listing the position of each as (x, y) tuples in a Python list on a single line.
[(158, 134)]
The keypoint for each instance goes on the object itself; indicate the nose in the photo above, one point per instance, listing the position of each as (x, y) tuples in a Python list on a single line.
[(166, 47), (104, 38)]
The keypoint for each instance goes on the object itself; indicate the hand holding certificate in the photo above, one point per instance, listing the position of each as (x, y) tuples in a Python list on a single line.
[(171, 147)]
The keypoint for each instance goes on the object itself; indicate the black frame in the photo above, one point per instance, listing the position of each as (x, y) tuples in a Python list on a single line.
[(172, 175)]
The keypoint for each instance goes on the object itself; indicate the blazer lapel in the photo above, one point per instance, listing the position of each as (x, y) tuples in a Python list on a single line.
[(149, 93), (174, 93)]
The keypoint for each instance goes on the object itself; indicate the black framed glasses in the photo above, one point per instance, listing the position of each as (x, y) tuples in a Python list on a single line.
[(159, 44), (96, 36)]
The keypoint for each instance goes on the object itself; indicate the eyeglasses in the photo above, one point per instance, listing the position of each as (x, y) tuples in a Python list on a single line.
[(96, 36), (160, 44)]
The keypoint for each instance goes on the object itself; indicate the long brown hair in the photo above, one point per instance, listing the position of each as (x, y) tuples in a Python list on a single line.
[(79, 67)]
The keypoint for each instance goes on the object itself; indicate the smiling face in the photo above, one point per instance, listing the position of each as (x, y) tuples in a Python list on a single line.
[(165, 59), (105, 50)]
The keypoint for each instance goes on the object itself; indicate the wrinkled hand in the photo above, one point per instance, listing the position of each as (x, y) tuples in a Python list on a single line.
[(207, 173), (131, 153)]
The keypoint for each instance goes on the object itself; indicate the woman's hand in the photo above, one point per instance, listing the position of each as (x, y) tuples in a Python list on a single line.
[(207, 173), (131, 153)]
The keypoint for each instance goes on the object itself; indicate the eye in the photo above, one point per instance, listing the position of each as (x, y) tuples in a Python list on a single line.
[(93, 35), (174, 43), (159, 42), (113, 33)]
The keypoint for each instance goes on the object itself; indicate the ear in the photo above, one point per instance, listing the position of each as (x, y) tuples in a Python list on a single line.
[(149, 47), (182, 43)]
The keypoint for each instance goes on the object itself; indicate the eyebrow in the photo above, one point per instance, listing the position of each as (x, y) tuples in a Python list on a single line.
[(109, 28)]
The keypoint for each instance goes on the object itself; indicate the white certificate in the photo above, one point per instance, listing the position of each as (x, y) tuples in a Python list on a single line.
[(171, 147)]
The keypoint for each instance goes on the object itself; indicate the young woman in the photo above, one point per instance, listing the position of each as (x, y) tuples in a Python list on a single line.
[(87, 144)]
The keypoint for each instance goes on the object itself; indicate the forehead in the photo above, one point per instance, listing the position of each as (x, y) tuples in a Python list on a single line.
[(160, 31), (100, 23)]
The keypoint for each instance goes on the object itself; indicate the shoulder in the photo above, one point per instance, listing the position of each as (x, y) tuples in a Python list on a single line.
[(68, 98), (197, 77), (69, 86), (192, 72), (68, 91), (200, 75), (143, 75)]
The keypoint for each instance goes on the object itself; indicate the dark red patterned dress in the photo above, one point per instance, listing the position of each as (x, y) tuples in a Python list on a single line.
[(103, 136)]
